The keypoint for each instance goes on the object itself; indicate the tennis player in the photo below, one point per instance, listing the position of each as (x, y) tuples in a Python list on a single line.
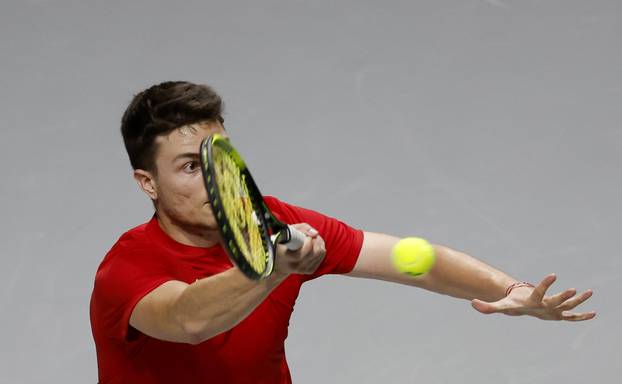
[(169, 307)]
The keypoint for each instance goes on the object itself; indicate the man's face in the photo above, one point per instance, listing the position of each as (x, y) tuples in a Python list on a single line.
[(181, 194)]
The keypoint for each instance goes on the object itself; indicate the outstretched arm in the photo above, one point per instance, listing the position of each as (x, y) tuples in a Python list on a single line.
[(460, 275)]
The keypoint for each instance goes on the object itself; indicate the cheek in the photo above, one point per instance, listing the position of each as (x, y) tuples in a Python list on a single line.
[(195, 188), (184, 190)]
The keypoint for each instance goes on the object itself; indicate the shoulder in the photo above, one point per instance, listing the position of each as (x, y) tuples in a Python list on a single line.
[(327, 225), (283, 211), (290, 213), (343, 242), (131, 248), (133, 237)]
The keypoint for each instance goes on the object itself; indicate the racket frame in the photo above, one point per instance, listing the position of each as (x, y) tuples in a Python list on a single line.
[(274, 231)]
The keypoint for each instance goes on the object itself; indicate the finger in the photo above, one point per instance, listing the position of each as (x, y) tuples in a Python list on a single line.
[(315, 264), (306, 229), (571, 303), (555, 300), (299, 254), (300, 259), (568, 316), (488, 308), (301, 226), (540, 290), (306, 261), (316, 257), (307, 247)]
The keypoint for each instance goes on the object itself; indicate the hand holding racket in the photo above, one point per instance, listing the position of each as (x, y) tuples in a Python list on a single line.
[(249, 230), (306, 260)]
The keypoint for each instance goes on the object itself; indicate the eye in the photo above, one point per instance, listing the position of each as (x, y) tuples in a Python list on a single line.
[(191, 167)]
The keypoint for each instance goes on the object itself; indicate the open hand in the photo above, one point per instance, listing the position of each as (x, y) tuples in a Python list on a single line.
[(533, 302)]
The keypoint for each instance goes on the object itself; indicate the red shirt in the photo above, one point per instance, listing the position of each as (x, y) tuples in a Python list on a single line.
[(251, 352)]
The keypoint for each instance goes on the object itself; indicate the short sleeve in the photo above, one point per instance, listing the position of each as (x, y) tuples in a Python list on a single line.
[(343, 242), (122, 281)]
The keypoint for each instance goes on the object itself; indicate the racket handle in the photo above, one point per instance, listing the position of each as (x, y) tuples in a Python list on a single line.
[(291, 238), (297, 239)]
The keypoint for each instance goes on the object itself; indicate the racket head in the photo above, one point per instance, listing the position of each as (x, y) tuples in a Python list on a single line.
[(244, 221)]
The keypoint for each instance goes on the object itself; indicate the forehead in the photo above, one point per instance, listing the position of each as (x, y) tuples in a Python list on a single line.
[(186, 138)]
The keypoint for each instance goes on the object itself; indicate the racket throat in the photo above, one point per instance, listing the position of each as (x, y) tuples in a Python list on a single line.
[(281, 237)]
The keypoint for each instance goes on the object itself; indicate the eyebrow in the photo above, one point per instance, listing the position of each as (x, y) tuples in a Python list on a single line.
[(190, 155)]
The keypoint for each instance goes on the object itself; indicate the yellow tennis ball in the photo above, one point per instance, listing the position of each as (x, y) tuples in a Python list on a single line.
[(413, 256)]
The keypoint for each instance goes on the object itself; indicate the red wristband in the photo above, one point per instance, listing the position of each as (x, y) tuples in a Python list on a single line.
[(516, 285)]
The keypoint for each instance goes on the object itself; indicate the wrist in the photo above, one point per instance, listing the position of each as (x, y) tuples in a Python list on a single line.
[(517, 284), (277, 278)]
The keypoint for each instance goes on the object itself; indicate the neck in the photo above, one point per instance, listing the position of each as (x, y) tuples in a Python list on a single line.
[(204, 238)]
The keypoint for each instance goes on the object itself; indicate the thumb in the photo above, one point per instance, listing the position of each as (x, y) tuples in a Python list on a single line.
[(483, 306)]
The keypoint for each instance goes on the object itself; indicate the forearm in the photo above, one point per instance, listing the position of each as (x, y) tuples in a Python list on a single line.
[(454, 273), (459, 275), (216, 304)]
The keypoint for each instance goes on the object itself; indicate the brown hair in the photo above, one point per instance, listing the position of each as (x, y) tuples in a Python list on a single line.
[(160, 109)]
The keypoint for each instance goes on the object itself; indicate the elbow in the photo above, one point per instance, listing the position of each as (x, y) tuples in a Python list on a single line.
[(190, 329), (194, 332), (194, 339), (197, 331)]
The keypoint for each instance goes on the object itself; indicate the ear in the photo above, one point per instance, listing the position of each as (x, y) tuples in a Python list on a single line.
[(146, 181)]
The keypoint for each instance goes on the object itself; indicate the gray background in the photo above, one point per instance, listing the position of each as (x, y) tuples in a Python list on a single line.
[(493, 127)]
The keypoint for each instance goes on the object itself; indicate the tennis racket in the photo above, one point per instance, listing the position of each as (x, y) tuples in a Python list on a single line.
[(249, 230)]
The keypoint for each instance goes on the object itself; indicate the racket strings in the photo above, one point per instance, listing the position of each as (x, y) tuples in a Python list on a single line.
[(237, 203)]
